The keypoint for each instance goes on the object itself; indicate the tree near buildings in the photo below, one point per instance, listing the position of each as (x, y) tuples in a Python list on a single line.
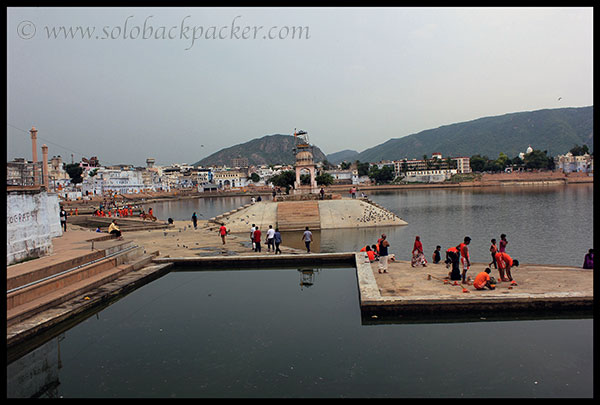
[(74, 171), (579, 150), (324, 179), (284, 179), (537, 159)]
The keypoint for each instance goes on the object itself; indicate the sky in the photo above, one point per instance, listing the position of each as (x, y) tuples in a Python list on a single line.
[(178, 84)]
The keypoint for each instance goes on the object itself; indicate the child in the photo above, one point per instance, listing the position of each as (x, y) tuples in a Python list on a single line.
[(436, 254), (493, 251)]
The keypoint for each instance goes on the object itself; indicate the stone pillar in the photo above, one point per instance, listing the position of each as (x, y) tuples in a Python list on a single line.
[(33, 132), (45, 166)]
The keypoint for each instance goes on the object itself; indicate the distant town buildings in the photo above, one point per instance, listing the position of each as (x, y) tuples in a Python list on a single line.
[(569, 163), (128, 179)]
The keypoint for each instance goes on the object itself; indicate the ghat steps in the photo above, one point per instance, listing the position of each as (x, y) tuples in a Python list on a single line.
[(297, 215), (33, 287)]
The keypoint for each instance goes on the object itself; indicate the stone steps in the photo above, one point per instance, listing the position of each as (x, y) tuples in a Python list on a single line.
[(80, 274), (297, 215)]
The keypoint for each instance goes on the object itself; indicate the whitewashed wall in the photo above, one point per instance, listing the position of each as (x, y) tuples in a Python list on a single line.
[(32, 220)]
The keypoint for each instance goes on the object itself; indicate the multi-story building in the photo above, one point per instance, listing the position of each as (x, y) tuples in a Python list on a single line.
[(225, 179), (431, 170), (569, 163)]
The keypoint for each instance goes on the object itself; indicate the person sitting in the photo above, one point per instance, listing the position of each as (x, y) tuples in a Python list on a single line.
[(370, 253), (113, 229), (483, 280), (588, 261), (418, 258), (436, 255)]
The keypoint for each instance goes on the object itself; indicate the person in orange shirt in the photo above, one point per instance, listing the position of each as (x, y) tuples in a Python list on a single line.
[(370, 253), (505, 262), (464, 258), (483, 281)]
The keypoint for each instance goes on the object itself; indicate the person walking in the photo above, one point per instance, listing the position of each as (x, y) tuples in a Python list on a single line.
[(257, 235), (270, 238), (307, 238), (252, 236), (195, 220), (322, 193), (493, 251), (223, 233), (383, 254), (63, 219), (277, 239)]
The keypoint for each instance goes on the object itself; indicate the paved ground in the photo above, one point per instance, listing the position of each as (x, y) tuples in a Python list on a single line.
[(404, 280)]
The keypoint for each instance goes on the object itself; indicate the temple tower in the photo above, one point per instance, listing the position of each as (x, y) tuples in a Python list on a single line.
[(304, 163)]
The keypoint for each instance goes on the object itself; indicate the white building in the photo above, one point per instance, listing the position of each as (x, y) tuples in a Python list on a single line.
[(344, 176), (569, 163), (115, 181)]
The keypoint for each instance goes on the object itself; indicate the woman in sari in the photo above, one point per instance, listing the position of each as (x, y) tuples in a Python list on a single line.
[(418, 258)]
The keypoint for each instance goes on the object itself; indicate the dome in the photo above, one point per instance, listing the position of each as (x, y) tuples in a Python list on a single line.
[(304, 156), (529, 149)]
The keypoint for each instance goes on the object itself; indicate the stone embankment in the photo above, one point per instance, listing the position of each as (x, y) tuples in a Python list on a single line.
[(316, 214)]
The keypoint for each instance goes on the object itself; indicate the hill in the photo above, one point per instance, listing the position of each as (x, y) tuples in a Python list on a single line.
[(269, 150), (341, 156), (555, 130)]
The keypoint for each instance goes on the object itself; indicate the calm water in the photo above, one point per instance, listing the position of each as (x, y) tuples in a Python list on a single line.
[(543, 224), (259, 333)]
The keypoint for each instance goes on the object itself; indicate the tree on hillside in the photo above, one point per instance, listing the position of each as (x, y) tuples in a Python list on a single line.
[(579, 150)]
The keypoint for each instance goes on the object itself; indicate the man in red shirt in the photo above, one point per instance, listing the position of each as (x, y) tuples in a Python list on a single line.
[(256, 240), (223, 232), (505, 262)]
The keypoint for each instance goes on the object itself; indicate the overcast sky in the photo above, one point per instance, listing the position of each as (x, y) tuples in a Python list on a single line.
[(133, 83)]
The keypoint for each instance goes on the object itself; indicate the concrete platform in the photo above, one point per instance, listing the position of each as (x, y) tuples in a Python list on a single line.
[(407, 290)]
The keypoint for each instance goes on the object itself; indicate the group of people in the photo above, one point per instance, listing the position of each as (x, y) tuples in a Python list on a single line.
[(272, 239), (458, 258), (379, 252), (116, 212)]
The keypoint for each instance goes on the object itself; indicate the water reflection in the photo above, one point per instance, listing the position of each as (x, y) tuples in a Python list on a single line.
[(307, 277)]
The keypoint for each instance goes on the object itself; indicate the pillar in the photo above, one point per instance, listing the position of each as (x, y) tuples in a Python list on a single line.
[(33, 133), (45, 166)]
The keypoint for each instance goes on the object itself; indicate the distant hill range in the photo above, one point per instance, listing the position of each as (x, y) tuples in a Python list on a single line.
[(268, 150), (555, 130)]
